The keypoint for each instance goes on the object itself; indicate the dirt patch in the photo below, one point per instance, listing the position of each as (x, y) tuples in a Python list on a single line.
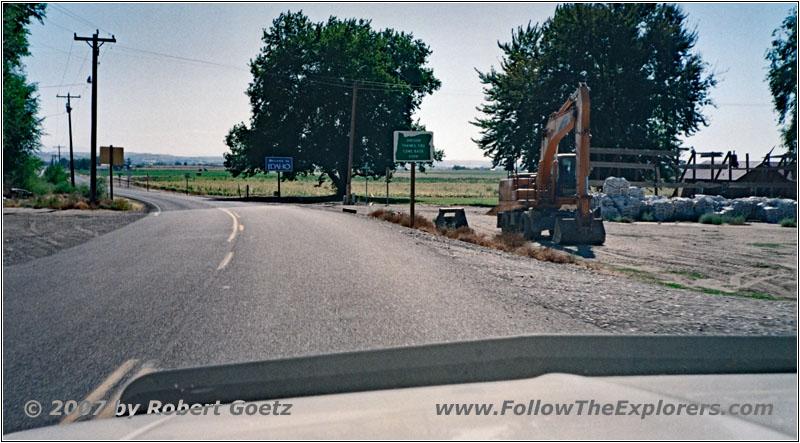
[(753, 260), (29, 234)]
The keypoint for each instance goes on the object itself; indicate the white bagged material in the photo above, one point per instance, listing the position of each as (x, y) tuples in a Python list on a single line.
[(663, 210), (636, 193), (616, 186), (771, 214), (610, 212), (619, 199), (683, 208)]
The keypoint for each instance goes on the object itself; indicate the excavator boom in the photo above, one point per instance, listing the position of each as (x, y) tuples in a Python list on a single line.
[(543, 210)]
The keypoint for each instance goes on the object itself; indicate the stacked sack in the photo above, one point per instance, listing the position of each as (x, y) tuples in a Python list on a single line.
[(683, 209), (616, 187), (703, 204), (619, 199)]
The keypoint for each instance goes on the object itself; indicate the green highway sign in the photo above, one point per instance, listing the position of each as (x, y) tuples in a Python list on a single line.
[(413, 146)]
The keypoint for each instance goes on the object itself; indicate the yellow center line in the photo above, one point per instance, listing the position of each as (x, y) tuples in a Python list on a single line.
[(109, 410), (235, 224), (101, 390), (225, 261)]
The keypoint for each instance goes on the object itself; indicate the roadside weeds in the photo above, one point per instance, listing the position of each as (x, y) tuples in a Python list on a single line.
[(513, 243)]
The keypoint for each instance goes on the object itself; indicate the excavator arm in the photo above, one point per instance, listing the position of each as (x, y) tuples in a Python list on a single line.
[(583, 227), (574, 114)]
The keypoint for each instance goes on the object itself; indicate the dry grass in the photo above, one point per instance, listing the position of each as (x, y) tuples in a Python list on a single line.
[(73, 201), (266, 185), (403, 219), (514, 243)]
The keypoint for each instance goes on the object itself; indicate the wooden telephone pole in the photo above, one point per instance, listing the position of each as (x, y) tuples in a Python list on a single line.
[(96, 43), (69, 118), (352, 141)]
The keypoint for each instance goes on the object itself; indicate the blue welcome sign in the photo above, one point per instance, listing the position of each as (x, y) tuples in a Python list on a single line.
[(279, 164)]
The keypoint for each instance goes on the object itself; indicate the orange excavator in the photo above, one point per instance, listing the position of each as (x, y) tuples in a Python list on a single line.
[(556, 198)]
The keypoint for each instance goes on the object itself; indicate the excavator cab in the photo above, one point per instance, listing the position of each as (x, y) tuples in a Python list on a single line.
[(566, 178)]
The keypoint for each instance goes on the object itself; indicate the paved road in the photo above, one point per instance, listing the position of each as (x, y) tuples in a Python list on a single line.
[(200, 282)]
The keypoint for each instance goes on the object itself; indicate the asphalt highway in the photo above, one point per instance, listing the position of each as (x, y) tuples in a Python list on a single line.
[(201, 282)]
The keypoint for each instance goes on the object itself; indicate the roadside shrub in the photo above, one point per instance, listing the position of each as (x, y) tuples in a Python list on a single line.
[(716, 219), (622, 220), (39, 186), (735, 220), (788, 222), (648, 217), (118, 204), (83, 190), (711, 219), (403, 219), (511, 239), (63, 188), (55, 174)]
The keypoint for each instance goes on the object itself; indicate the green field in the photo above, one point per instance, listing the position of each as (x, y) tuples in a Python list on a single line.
[(442, 187)]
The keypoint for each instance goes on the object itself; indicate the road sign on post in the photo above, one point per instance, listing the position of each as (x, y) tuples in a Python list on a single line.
[(279, 164), (413, 146), (111, 155)]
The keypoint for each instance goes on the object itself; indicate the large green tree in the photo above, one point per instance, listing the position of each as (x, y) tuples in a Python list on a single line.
[(301, 97), (647, 86), (21, 127), (782, 78)]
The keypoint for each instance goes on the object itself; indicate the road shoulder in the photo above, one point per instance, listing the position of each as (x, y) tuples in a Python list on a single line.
[(29, 234)]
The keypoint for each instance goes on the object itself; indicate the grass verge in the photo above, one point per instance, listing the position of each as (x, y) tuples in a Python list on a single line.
[(650, 278)]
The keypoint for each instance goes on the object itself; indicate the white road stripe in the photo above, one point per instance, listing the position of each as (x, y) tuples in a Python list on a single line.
[(101, 390), (158, 208), (225, 261)]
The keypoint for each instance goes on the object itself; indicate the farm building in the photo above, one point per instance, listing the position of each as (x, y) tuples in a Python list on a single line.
[(733, 178)]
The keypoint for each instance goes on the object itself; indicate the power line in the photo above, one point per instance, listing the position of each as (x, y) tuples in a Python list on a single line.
[(66, 65), (188, 59), (77, 17)]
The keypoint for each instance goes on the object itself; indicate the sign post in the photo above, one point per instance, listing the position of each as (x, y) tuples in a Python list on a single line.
[(388, 172), (187, 176), (279, 164), (413, 146), (111, 155)]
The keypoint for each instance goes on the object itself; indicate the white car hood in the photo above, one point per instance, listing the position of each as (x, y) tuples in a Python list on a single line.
[(411, 413)]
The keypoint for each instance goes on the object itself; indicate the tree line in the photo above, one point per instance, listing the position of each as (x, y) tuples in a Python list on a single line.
[(649, 88)]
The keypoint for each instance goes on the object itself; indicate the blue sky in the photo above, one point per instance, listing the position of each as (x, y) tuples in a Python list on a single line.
[(151, 103)]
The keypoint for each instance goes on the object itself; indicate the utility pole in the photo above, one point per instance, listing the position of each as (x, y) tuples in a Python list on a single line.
[(69, 117), (96, 43), (59, 154), (352, 141)]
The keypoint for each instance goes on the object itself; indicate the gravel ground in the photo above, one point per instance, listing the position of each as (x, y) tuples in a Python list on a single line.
[(757, 257), (29, 234), (613, 303)]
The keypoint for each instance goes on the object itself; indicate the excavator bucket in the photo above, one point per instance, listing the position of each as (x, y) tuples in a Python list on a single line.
[(567, 231)]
